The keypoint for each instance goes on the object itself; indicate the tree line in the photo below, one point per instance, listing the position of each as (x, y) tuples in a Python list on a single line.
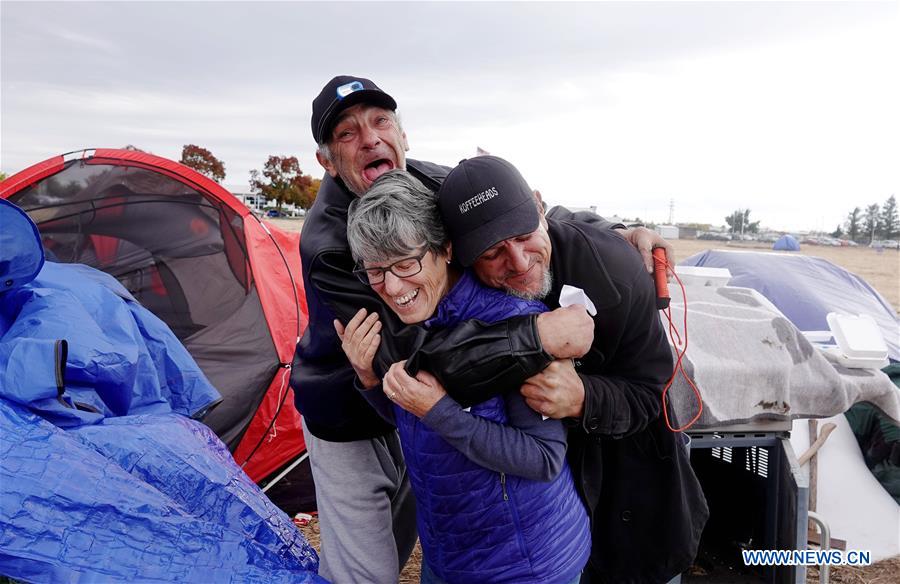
[(862, 226), (280, 178), (875, 222)]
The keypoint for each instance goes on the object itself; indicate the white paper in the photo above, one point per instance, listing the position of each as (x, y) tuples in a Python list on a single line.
[(571, 295)]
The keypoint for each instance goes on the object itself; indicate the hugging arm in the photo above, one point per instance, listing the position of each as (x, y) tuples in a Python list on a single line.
[(525, 446), (529, 447), (480, 359)]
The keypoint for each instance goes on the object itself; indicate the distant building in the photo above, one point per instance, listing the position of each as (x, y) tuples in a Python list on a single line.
[(243, 194), (668, 231), (258, 203)]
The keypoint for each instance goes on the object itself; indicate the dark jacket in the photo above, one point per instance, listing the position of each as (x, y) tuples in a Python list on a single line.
[(488, 359), (647, 508)]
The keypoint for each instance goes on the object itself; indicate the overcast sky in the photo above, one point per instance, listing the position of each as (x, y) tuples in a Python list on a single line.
[(789, 109)]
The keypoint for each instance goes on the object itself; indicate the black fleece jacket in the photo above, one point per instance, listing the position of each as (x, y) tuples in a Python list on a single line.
[(647, 508)]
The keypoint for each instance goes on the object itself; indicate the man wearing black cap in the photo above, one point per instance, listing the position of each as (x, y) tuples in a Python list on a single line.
[(365, 507), (633, 473), (366, 510)]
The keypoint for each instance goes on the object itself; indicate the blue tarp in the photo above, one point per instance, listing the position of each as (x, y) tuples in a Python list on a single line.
[(104, 475), (805, 289), (786, 243)]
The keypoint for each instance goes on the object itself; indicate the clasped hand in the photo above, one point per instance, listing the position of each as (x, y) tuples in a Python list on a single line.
[(360, 340), (556, 392), (417, 395)]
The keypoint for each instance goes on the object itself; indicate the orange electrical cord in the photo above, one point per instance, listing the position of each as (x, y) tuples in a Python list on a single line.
[(661, 267)]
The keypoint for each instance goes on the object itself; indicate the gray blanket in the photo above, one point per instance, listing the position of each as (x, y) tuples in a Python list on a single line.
[(751, 364)]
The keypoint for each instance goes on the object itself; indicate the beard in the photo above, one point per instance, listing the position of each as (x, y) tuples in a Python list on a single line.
[(546, 286)]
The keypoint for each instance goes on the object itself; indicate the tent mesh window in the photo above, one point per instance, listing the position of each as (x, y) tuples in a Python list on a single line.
[(181, 253), (110, 218)]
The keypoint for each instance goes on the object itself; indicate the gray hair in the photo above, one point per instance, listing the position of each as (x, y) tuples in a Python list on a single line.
[(546, 287), (396, 217), (325, 151)]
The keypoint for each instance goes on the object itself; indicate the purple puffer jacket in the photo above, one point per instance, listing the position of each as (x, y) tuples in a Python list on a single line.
[(475, 524)]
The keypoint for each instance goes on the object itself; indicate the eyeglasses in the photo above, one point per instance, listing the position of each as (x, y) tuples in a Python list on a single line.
[(402, 268)]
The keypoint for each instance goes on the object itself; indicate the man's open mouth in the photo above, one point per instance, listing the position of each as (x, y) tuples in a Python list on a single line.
[(377, 168)]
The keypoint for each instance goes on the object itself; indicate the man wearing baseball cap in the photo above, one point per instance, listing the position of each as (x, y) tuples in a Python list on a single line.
[(646, 506), (365, 506)]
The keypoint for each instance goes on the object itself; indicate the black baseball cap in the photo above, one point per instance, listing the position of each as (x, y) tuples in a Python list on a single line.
[(483, 201), (340, 93)]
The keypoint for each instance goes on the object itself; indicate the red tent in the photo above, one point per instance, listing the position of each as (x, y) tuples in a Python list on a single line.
[(227, 284)]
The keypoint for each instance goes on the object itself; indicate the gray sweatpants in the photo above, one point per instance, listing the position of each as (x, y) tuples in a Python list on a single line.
[(367, 513)]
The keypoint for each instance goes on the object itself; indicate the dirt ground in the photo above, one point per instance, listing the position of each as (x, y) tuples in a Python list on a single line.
[(880, 269), (410, 573), (884, 572)]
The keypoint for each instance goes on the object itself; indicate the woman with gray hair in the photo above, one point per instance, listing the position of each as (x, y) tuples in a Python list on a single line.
[(495, 497)]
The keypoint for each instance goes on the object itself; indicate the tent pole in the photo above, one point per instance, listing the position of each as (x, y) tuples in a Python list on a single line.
[(813, 465), (284, 473)]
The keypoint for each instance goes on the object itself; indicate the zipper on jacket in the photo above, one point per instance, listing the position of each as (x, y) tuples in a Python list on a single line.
[(517, 522)]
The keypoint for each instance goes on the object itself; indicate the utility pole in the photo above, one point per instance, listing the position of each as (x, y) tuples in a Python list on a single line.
[(671, 211)]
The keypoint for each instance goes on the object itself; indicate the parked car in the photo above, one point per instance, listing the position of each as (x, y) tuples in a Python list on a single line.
[(714, 235)]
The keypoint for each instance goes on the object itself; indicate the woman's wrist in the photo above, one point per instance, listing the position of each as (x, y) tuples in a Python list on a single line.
[(368, 379)]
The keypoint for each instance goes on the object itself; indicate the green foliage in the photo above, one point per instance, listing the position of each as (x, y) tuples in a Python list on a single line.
[(871, 226), (203, 161), (876, 222), (888, 220), (854, 223), (739, 222), (281, 179), (3, 176)]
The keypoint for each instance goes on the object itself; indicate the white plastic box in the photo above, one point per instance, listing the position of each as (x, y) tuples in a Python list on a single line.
[(860, 344), (703, 276)]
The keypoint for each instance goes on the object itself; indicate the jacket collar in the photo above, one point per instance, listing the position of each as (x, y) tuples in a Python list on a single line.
[(575, 254), (453, 304)]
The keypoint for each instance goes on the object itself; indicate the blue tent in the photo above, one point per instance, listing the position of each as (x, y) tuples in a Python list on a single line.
[(805, 289), (786, 243), (105, 476)]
